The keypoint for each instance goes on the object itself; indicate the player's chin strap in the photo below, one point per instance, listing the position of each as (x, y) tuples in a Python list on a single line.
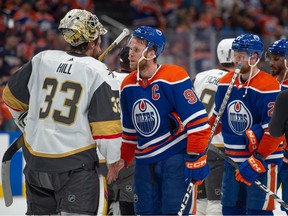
[(138, 63), (286, 67), (250, 75)]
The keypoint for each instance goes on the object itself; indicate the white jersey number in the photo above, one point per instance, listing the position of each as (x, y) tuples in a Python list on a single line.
[(207, 97), (116, 104), (70, 103)]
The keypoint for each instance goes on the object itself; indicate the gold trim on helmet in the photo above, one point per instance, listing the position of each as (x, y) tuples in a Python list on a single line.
[(80, 26)]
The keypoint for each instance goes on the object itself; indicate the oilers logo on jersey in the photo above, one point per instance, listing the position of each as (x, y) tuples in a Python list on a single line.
[(239, 117), (146, 118)]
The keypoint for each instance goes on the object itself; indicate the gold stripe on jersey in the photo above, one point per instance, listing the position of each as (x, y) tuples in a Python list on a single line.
[(40, 154), (106, 128), (12, 101), (218, 145)]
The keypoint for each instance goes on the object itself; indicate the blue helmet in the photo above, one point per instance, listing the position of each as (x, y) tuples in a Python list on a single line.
[(153, 36), (249, 43), (279, 47)]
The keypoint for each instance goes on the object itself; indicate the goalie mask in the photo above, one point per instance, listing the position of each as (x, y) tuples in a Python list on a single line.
[(80, 26), (249, 43)]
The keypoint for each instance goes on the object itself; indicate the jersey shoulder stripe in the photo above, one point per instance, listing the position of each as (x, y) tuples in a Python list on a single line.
[(165, 73), (264, 82), (170, 73)]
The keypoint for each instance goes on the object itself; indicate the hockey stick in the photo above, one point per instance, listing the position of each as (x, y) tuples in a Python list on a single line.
[(5, 170), (257, 182), (124, 33), (217, 120)]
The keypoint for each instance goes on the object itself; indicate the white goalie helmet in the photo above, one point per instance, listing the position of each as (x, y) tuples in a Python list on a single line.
[(225, 53), (80, 26)]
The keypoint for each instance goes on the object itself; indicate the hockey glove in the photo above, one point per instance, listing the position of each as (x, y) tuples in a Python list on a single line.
[(250, 169), (196, 168), (253, 136), (175, 123), (21, 120)]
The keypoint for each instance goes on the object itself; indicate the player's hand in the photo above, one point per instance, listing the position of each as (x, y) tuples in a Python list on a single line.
[(196, 168), (113, 170), (250, 169), (253, 137)]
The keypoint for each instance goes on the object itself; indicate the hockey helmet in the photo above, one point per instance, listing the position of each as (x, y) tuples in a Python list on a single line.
[(279, 47), (249, 43), (80, 26), (224, 50), (124, 57), (153, 36)]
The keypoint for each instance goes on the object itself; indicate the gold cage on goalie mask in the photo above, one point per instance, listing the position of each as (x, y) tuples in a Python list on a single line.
[(80, 26)]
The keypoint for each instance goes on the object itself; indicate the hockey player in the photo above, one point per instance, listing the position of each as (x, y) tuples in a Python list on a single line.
[(69, 109), (277, 55), (120, 192), (251, 102), (205, 85), (165, 159)]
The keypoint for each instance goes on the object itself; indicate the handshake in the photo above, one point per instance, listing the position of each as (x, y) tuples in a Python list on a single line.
[(113, 170)]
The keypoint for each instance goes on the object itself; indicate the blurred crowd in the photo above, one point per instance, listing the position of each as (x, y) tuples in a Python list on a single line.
[(30, 26)]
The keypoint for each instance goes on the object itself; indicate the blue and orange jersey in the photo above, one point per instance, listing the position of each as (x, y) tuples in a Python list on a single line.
[(284, 85), (246, 108), (145, 110)]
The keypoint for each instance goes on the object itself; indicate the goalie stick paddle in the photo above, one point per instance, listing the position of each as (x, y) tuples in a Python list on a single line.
[(217, 120), (5, 170)]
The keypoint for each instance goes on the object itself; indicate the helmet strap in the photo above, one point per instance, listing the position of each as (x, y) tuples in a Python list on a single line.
[(249, 61), (138, 63), (251, 71), (286, 67)]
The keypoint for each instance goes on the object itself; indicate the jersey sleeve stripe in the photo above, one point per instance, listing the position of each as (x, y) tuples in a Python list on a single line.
[(194, 116), (196, 122), (194, 130), (11, 101), (85, 148), (129, 137), (108, 136), (106, 128)]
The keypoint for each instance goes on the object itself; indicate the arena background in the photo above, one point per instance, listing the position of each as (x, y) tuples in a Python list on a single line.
[(192, 28)]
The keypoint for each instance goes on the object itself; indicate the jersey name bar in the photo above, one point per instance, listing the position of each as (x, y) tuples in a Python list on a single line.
[(64, 68)]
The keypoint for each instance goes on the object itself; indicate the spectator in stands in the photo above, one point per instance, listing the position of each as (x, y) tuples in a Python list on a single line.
[(9, 60)]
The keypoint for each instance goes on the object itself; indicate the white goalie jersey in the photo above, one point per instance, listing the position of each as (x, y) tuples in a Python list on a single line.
[(69, 103), (205, 86)]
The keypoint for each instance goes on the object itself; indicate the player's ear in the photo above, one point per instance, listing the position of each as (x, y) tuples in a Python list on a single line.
[(151, 54), (254, 56)]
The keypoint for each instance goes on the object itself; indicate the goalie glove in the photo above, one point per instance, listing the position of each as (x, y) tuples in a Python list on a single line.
[(20, 121), (250, 169), (196, 168), (253, 137)]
